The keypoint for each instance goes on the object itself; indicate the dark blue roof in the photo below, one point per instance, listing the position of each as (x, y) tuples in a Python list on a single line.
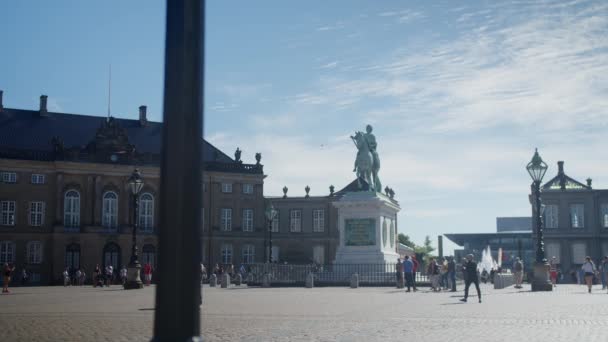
[(28, 130)]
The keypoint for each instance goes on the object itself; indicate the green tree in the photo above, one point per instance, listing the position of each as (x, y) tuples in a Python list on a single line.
[(405, 239), (426, 249)]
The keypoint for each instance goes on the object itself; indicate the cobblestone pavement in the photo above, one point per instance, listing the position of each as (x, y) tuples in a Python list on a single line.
[(319, 314)]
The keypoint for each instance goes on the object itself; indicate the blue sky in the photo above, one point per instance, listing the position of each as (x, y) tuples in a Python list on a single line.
[(459, 92)]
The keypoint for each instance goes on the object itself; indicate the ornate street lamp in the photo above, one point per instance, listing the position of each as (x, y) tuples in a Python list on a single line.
[(136, 183), (537, 169), (271, 214)]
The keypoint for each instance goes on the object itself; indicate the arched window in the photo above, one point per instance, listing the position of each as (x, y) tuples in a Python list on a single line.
[(72, 256), (109, 210), (7, 252), (111, 255), (71, 209), (148, 255), (146, 212)]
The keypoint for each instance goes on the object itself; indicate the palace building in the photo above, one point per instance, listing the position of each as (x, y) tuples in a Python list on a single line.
[(65, 202)]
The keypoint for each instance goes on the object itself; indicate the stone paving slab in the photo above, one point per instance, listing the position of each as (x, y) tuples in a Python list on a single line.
[(318, 314)]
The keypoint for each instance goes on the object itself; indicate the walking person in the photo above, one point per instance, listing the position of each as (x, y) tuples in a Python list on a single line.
[(452, 274), (148, 273), (408, 273), (66, 277), (109, 275), (6, 275), (471, 278), (604, 267), (553, 270), (433, 272), (23, 277), (123, 275), (589, 270), (83, 277), (518, 273), (97, 276)]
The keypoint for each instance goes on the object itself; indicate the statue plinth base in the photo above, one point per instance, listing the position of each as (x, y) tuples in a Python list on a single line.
[(367, 222)]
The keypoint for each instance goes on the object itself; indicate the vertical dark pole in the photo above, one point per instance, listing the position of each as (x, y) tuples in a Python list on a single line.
[(270, 243), (519, 248), (540, 245), (134, 256), (177, 315)]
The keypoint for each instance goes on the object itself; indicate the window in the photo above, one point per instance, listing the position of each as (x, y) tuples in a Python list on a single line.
[(550, 216), (318, 254), (36, 214), (248, 254), (71, 209), (604, 212), (8, 213), (247, 220), (577, 215), (248, 189), (579, 252), (109, 210), (318, 220), (226, 254), (37, 178), (226, 219), (146, 213), (7, 252), (9, 177), (552, 249), (34, 252), (226, 187), (295, 220), (72, 256), (111, 255), (274, 224)]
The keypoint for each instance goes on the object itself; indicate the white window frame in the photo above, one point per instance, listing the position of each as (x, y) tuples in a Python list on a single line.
[(248, 188), (227, 188), (318, 220), (581, 256), (145, 212), (577, 219), (7, 252), (274, 224), (8, 210), (34, 252), (71, 209), (295, 220), (247, 220), (553, 249), (226, 219), (37, 209), (9, 177), (226, 252), (248, 254), (551, 216), (604, 214), (109, 210), (38, 178)]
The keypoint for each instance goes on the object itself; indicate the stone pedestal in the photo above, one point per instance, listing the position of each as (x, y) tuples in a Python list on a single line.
[(238, 280), (367, 222), (225, 280), (310, 281), (354, 281), (541, 281), (133, 277), (213, 280)]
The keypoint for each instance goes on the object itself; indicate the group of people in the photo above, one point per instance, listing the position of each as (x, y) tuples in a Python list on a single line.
[(442, 274), (407, 269), (105, 277)]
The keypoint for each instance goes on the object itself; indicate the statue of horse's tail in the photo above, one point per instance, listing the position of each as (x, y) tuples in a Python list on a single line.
[(377, 183)]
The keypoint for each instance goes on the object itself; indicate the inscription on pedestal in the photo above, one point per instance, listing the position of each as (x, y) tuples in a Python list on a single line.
[(360, 232)]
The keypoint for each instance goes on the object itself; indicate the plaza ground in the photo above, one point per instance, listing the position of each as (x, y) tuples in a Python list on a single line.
[(319, 314)]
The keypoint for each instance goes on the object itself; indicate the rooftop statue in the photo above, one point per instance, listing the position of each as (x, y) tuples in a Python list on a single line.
[(367, 163)]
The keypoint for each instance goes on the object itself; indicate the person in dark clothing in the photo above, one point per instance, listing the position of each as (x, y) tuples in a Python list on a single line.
[(471, 277), (452, 274)]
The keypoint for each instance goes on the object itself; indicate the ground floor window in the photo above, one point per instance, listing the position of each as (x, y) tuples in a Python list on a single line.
[(148, 255), (111, 255), (226, 254), (72, 256)]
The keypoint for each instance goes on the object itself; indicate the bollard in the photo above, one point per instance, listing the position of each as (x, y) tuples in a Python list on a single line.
[(266, 280), (238, 280), (225, 280), (213, 280), (354, 281), (310, 281)]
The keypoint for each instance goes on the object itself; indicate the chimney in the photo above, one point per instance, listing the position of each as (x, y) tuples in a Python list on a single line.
[(1, 107), (560, 167), (143, 121), (43, 111), (589, 182)]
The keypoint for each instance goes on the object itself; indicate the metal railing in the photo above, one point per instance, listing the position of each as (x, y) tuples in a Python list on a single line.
[(324, 275)]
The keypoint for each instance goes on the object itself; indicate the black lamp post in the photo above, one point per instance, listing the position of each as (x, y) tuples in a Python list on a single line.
[(270, 216), (136, 183), (537, 168)]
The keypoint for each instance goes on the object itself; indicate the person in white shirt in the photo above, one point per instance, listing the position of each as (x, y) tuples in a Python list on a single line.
[(66, 277), (109, 274), (123, 275), (589, 270)]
